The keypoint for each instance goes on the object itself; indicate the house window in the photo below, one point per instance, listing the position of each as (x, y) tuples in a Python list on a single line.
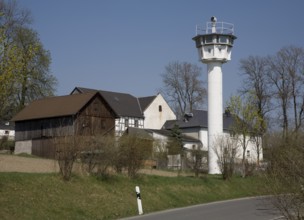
[(248, 153), (160, 109), (6, 132), (126, 122), (136, 123)]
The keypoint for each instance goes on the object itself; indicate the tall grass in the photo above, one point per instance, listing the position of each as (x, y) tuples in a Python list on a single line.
[(46, 196)]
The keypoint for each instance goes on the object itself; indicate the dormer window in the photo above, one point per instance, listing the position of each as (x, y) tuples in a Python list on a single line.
[(160, 109)]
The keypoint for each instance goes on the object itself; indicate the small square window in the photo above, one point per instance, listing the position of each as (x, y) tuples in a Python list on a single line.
[(248, 153), (6, 132)]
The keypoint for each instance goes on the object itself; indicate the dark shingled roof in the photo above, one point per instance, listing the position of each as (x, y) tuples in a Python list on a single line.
[(7, 125), (123, 104), (168, 134), (199, 119), (54, 107), (144, 133), (145, 101)]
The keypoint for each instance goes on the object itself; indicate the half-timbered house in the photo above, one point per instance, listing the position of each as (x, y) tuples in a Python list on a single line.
[(144, 112)]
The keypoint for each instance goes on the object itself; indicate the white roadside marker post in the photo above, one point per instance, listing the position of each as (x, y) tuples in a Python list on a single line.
[(140, 209)]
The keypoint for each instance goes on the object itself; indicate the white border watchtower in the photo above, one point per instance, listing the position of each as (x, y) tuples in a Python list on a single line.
[(214, 46)]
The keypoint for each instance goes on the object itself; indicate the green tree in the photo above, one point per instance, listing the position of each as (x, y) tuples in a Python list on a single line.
[(132, 152), (24, 63), (34, 78), (9, 65), (246, 123), (175, 145)]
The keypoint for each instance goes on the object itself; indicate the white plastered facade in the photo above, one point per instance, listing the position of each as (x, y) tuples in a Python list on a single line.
[(157, 113)]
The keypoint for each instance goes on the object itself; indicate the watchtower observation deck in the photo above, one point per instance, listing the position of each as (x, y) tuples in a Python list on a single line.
[(214, 42)]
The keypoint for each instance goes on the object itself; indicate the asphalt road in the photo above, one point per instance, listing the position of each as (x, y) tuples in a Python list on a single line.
[(238, 209)]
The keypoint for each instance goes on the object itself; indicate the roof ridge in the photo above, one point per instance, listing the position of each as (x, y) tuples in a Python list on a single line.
[(138, 103), (54, 107), (117, 92), (150, 96)]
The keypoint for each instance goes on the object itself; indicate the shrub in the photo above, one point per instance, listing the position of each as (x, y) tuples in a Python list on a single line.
[(285, 175), (132, 151)]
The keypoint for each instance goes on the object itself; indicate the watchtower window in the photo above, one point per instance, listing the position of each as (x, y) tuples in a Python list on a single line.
[(208, 39), (160, 109), (231, 40), (223, 39)]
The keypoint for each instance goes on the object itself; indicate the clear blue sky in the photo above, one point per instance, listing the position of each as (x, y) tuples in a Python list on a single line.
[(124, 45)]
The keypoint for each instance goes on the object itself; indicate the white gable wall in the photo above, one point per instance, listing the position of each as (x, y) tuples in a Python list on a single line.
[(157, 113)]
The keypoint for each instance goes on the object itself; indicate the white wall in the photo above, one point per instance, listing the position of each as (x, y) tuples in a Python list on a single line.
[(251, 151), (202, 135), (155, 119), (9, 133), (120, 124)]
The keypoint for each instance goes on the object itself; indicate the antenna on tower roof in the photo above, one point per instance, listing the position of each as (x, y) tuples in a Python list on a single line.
[(213, 20)]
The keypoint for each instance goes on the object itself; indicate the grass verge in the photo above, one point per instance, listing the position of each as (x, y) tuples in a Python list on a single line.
[(46, 196)]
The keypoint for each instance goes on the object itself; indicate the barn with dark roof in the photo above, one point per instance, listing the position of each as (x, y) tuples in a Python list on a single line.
[(37, 124)]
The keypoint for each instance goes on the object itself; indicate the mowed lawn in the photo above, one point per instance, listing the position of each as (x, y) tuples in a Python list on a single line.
[(47, 196)]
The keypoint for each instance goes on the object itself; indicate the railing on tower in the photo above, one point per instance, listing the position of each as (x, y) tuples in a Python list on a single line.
[(220, 28)]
